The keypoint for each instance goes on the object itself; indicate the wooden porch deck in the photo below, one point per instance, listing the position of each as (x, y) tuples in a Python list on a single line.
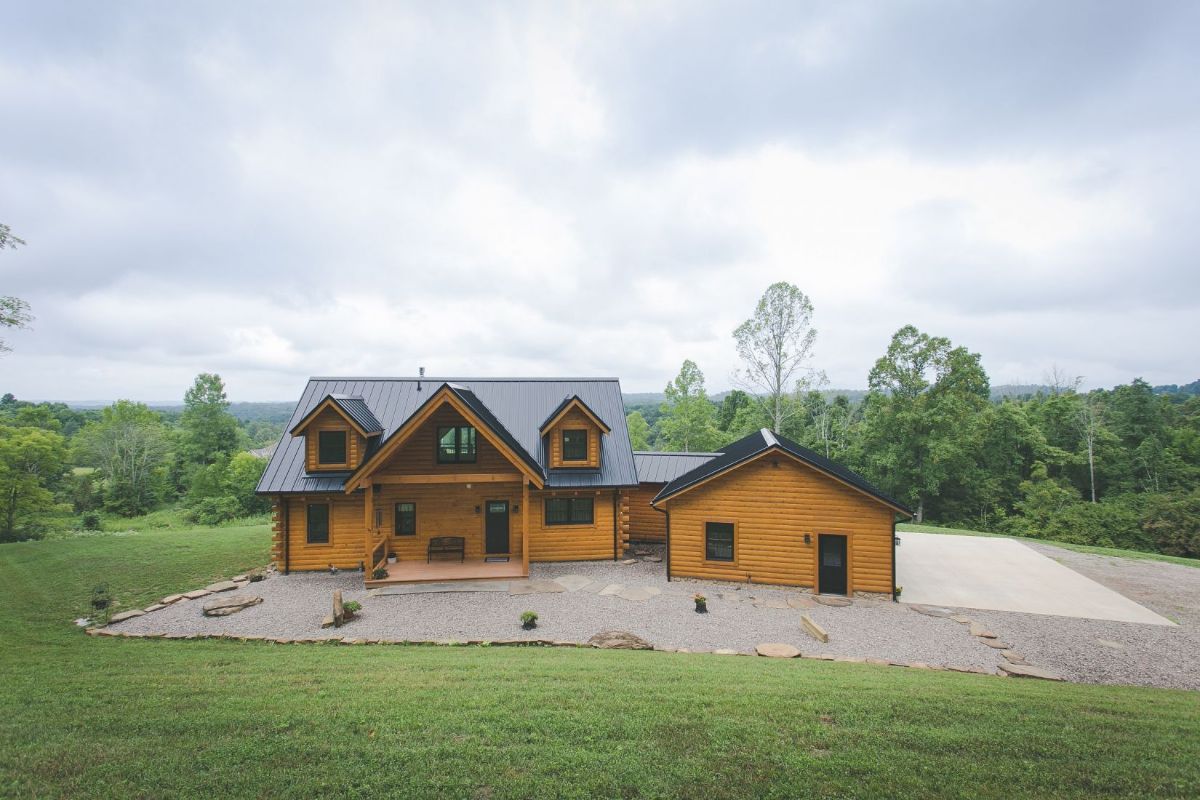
[(473, 569)]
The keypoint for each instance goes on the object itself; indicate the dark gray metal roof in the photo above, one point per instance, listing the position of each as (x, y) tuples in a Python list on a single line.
[(666, 467), (356, 408), (566, 402), (517, 405), (759, 442)]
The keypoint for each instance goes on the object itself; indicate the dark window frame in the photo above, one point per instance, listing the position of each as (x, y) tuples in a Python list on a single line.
[(584, 455), (574, 508), (399, 515), (458, 456), (308, 524), (708, 543), (345, 459)]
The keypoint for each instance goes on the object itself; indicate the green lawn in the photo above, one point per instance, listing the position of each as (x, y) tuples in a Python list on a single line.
[(97, 717), (1082, 548)]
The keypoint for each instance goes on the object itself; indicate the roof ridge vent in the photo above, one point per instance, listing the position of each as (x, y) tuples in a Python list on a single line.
[(769, 437)]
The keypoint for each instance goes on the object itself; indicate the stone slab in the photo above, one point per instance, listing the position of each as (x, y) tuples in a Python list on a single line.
[(124, 615), (613, 588), (171, 598), (619, 640), (154, 607), (196, 595), (800, 601), (634, 593), (230, 604), (221, 586), (1029, 671), (777, 650), (725, 651), (535, 587), (834, 600), (573, 583), (978, 630), (995, 644)]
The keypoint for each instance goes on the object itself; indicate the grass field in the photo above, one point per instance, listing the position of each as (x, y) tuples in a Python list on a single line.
[(1081, 548), (95, 717)]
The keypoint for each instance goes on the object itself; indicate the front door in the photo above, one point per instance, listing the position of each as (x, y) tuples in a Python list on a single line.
[(832, 561), (495, 528)]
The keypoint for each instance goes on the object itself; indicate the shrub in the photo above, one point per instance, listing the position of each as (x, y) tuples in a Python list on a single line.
[(215, 510), (529, 619), (90, 521), (1173, 523), (379, 573), (351, 607)]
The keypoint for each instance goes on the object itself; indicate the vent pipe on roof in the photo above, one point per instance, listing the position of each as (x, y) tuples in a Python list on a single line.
[(421, 374)]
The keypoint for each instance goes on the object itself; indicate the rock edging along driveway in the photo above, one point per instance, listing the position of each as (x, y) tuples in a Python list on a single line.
[(767, 650)]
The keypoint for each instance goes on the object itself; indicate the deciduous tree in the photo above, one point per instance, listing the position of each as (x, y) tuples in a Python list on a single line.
[(688, 422), (31, 459)]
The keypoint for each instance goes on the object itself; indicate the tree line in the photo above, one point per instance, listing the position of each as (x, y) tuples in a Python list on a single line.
[(59, 464), (1110, 467)]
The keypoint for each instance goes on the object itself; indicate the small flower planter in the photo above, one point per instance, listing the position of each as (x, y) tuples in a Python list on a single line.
[(701, 604), (529, 620)]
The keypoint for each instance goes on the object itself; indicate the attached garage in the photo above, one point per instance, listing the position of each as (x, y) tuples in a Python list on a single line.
[(768, 510)]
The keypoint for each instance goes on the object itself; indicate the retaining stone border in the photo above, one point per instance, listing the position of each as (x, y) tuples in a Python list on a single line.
[(1014, 664)]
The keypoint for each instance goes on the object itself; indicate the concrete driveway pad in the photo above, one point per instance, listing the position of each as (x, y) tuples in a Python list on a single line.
[(1004, 575)]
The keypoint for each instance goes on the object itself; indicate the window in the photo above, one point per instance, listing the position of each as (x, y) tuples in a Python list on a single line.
[(456, 444), (574, 445), (317, 516), (718, 541), (331, 447), (569, 511), (406, 519)]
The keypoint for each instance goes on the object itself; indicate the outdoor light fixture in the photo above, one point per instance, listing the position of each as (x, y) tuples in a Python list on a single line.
[(808, 538), (476, 509), (516, 509), (897, 541)]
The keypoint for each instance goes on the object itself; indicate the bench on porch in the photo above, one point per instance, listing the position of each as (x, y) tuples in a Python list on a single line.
[(442, 545)]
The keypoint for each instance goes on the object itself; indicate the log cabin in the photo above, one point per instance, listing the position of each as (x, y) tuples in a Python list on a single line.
[(421, 479)]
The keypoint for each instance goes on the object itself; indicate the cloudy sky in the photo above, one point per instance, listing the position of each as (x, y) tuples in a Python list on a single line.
[(271, 191)]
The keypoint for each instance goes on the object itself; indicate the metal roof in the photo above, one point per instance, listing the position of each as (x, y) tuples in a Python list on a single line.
[(558, 409), (666, 467), (515, 406), (761, 441), (356, 409)]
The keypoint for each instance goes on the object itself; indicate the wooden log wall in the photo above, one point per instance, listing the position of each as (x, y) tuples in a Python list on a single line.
[(646, 524), (773, 502), (449, 510), (572, 542), (574, 420), (331, 420), (347, 546)]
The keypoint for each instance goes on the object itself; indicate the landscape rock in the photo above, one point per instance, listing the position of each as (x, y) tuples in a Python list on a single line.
[(1012, 657), (635, 594), (962, 619), (221, 586), (124, 615), (655, 559), (833, 600), (196, 595), (230, 605), (1029, 671), (240, 578), (619, 640), (777, 650), (339, 613), (573, 583), (800, 601), (1110, 644), (535, 587), (725, 651), (978, 630), (995, 644), (932, 611), (171, 598), (154, 607), (629, 561)]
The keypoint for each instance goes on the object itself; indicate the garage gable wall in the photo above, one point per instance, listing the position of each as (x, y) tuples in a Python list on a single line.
[(773, 501)]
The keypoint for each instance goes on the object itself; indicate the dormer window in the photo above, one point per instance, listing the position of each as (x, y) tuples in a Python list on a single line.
[(575, 445), (456, 445), (331, 447)]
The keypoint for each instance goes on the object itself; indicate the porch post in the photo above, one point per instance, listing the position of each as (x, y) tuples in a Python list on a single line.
[(525, 512), (368, 522)]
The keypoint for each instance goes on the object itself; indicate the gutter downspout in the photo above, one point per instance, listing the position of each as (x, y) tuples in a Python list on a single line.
[(668, 553), (894, 600)]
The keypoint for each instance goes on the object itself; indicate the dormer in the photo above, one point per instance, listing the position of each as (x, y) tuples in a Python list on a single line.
[(572, 434), (337, 433)]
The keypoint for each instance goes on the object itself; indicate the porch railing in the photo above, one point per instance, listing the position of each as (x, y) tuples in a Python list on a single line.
[(378, 555)]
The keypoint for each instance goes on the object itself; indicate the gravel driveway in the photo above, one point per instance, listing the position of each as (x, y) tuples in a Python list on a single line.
[(1081, 650)]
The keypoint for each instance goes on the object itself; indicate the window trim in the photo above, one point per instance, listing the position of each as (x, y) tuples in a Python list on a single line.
[(396, 518), (569, 521), (733, 542), (563, 441), (345, 447), (458, 445), (328, 524)]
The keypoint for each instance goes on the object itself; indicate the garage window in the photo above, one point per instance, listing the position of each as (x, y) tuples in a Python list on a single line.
[(718, 541)]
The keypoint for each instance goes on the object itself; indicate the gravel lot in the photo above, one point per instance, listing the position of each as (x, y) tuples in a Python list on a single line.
[(1096, 651), (294, 605), (1089, 651)]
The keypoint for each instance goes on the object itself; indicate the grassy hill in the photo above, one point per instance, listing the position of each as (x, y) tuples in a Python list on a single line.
[(88, 717)]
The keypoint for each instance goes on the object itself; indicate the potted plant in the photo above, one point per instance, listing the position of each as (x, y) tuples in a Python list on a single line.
[(379, 574), (701, 603), (391, 558), (896, 592), (350, 609), (529, 620)]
